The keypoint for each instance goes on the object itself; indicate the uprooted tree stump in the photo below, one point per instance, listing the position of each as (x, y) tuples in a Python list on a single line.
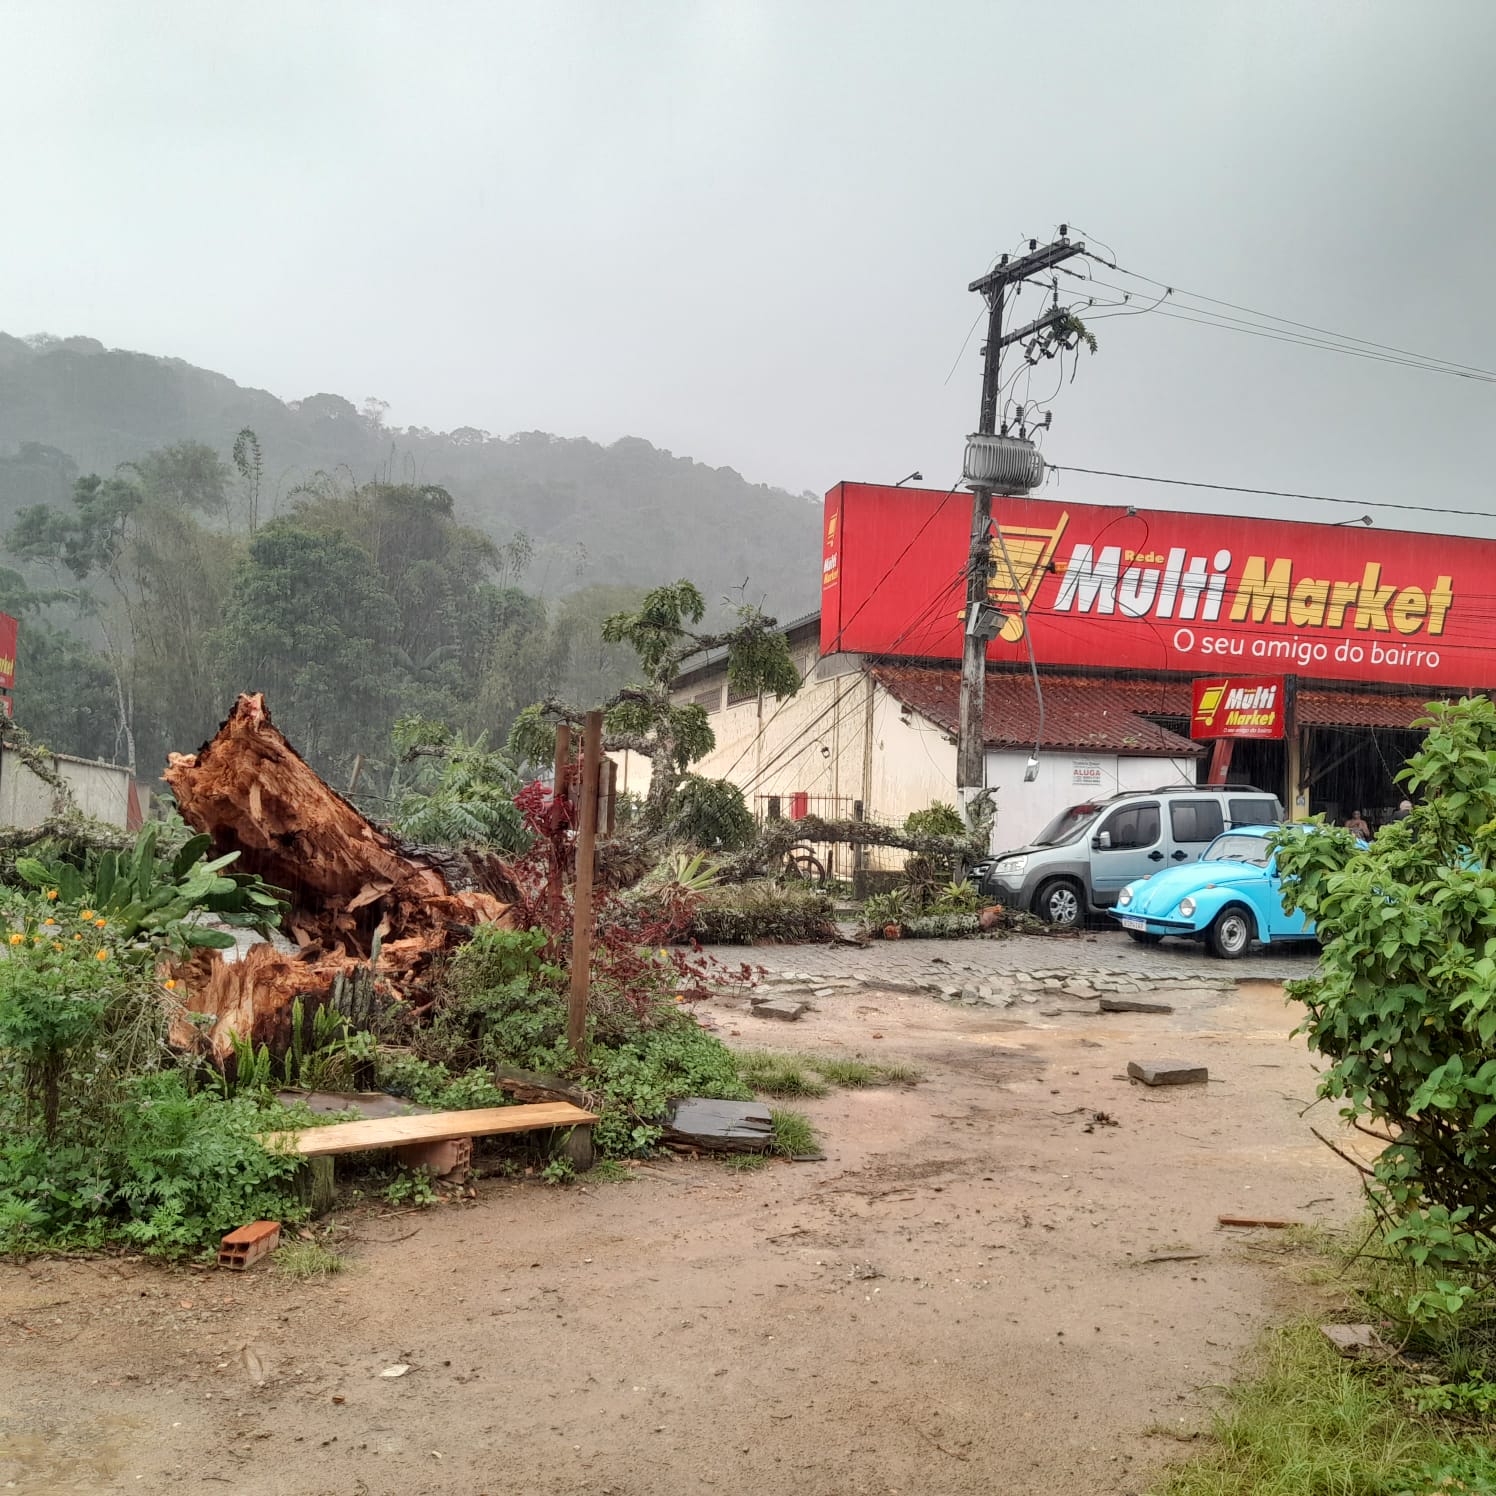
[(357, 895)]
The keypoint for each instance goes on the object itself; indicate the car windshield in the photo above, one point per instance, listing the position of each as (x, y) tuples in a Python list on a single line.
[(1067, 825), (1234, 848)]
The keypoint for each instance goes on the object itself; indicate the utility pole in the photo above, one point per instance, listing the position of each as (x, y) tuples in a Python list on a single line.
[(970, 756)]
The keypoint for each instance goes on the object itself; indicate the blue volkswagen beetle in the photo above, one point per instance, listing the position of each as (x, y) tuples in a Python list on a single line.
[(1228, 899)]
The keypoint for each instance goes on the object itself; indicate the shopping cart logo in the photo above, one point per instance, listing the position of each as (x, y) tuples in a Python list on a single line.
[(1208, 705), (1021, 558)]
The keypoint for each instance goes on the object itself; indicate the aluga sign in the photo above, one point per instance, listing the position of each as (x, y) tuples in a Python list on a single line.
[(1154, 590), (1238, 708)]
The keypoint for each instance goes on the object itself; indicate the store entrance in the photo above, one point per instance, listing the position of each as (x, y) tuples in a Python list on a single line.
[(1355, 768)]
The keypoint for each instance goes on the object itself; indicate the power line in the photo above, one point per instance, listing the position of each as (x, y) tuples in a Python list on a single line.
[(1329, 342), (1270, 493), (1307, 326)]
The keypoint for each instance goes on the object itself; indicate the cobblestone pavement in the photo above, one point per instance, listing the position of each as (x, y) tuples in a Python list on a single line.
[(1050, 972)]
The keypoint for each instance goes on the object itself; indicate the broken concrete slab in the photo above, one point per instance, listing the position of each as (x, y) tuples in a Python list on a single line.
[(1353, 1340), (1167, 1072), (1133, 1005), (780, 1008), (721, 1126)]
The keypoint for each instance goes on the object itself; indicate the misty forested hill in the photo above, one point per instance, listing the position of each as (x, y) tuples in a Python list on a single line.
[(628, 513)]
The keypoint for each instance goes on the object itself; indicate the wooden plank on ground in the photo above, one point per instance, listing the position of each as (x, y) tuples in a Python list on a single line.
[(433, 1127)]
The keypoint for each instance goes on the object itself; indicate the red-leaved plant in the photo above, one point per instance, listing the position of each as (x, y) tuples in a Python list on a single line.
[(641, 953)]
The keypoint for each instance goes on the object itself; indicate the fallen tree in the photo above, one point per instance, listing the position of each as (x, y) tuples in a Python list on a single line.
[(359, 898)]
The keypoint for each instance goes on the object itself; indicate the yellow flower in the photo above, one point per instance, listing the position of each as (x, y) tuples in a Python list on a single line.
[(101, 955), (51, 893), (56, 945), (77, 937), (36, 940), (17, 939), (171, 984), (85, 914), (101, 923), (49, 921)]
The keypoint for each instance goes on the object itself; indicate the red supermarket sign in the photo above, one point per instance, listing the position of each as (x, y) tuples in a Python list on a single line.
[(1153, 590), (1237, 707), (7, 652)]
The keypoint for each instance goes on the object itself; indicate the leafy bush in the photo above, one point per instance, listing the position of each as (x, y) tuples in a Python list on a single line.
[(461, 792), (170, 1173), (429, 1083), (505, 1004), (749, 913), (937, 819), (638, 1080), (710, 813), (1403, 1004), (145, 897)]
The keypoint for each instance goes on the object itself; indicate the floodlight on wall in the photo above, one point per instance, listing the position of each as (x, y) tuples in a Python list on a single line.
[(985, 622), (1008, 465), (1031, 770)]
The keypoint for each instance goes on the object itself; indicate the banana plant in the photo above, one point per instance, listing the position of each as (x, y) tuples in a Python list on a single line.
[(143, 896)]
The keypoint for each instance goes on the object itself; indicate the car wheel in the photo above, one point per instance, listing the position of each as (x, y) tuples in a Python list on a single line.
[(1059, 902), (1230, 933), (1144, 938)]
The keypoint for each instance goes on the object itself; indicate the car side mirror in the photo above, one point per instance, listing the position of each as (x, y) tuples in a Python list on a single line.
[(1103, 841)]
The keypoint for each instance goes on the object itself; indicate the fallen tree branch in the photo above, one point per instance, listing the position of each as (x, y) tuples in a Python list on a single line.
[(768, 851)]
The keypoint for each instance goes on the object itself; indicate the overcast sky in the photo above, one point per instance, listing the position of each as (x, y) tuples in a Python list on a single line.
[(744, 231)]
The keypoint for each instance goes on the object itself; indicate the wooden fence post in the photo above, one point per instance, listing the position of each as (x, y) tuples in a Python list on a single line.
[(581, 897)]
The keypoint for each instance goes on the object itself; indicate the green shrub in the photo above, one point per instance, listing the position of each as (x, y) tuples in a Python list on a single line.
[(710, 813), (762, 911), (638, 1080), (171, 1173), (937, 819), (1403, 1003), (430, 1083)]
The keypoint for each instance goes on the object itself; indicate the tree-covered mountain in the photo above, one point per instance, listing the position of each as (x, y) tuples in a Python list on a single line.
[(628, 513)]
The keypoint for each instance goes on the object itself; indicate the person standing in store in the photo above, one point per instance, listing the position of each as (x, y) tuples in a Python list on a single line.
[(1356, 822)]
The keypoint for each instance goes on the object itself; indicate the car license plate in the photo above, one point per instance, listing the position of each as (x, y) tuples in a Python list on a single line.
[(1135, 924)]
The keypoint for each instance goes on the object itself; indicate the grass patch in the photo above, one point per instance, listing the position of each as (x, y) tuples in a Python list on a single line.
[(808, 1075), (779, 1074), (607, 1171), (745, 1163), (1314, 1424), (793, 1134), (306, 1259)]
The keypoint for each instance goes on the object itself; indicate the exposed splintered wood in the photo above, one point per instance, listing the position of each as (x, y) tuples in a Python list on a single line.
[(433, 1127), (350, 883)]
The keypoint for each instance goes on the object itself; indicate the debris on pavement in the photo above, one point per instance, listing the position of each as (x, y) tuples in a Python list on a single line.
[(240, 1249), (1353, 1340), (1133, 1005), (1167, 1072), (1264, 1223), (783, 1009)]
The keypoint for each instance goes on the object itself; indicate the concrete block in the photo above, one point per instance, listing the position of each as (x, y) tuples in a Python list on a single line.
[(780, 1008), (1167, 1072), (1132, 1005), (443, 1160), (248, 1244)]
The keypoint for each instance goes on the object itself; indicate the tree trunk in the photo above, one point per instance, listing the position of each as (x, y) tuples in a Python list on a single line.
[(359, 898)]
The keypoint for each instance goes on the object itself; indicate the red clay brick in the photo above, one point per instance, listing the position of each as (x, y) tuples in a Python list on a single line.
[(248, 1244)]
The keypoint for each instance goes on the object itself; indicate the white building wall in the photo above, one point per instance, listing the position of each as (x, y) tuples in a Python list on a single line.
[(1066, 779), (101, 790)]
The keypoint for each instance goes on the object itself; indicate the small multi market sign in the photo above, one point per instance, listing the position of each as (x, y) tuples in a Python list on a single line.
[(1237, 707)]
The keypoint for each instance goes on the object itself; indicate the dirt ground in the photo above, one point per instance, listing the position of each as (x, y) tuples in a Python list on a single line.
[(979, 1290)]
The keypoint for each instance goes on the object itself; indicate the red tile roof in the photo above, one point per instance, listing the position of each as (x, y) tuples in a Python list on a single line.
[(1360, 709), (1100, 714), (1089, 715)]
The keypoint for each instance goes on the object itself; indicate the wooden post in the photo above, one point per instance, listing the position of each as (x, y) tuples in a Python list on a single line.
[(609, 817), (358, 768), (563, 756), (581, 896)]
